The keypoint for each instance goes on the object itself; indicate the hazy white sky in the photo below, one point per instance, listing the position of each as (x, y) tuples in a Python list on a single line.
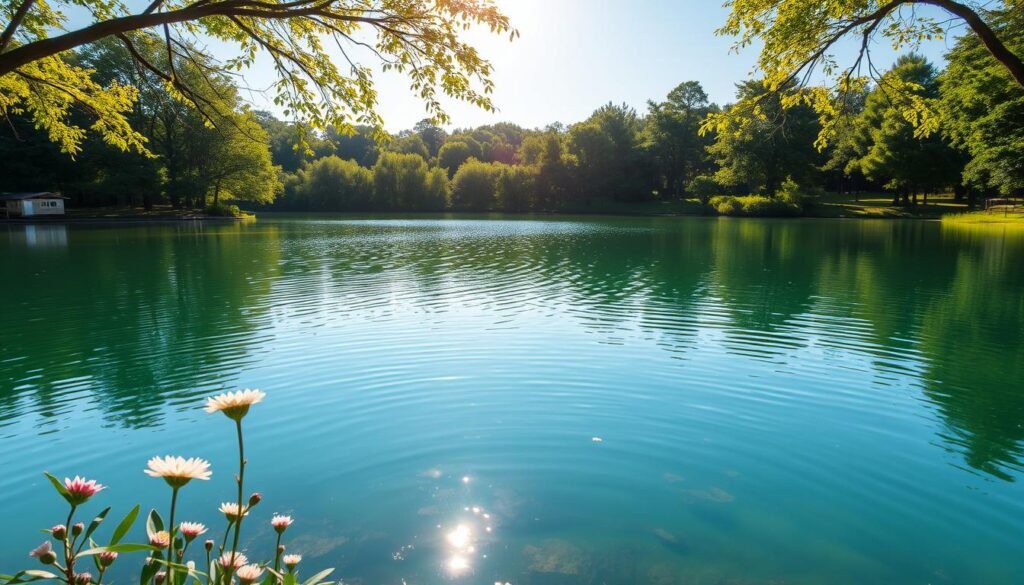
[(575, 55)]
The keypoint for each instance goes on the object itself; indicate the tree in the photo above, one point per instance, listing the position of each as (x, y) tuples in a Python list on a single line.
[(893, 153), (410, 143), (797, 38), (474, 186), (404, 182), (672, 133), (610, 159), (983, 110), (768, 149), (433, 136), (417, 38), (334, 184), (452, 156)]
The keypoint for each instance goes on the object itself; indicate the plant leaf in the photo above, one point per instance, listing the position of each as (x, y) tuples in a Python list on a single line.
[(317, 578), (63, 491), (125, 525), (119, 548), (93, 526), (154, 523)]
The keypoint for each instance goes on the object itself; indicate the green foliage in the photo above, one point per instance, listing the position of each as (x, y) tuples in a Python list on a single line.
[(893, 153), (404, 182), (754, 206), (798, 37), (983, 109), (672, 135), (333, 184), (704, 187), (769, 149), (420, 40), (453, 155), (474, 187), (515, 189)]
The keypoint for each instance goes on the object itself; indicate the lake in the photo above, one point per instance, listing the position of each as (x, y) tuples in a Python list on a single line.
[(536, 401)]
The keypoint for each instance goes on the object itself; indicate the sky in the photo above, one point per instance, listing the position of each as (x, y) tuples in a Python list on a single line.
[(575, 55)]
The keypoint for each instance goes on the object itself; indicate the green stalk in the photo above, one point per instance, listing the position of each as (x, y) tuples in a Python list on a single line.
[(170, 548), (277, 553), (241, 510), (69, 544)]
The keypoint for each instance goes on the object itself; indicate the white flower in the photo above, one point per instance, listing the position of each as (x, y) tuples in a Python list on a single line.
[(234, 405), (249, 573), (291, 560), (225, 560), (190, 530), (281, 523), (230, 509), (178, 471)]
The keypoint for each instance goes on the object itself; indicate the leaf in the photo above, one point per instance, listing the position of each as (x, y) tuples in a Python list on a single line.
[(150, 569), (63, 491), (119, 548), (93, 526), (154, 524), (125, 525), (315, 579), (27, 576)]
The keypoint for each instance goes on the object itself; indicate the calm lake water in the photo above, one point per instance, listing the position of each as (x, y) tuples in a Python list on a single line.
[(551, 401)]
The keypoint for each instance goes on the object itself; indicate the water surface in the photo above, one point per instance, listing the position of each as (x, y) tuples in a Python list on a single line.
[(545, 401)]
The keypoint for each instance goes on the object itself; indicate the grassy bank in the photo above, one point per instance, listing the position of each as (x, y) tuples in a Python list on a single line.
[(994, 217)]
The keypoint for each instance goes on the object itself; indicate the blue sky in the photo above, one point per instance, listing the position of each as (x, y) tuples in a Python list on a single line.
[(575, 55)]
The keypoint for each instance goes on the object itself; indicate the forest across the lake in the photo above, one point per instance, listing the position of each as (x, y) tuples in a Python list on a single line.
[(670, 158)]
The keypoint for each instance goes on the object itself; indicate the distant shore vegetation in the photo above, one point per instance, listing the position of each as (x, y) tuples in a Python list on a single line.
[(773, 167)]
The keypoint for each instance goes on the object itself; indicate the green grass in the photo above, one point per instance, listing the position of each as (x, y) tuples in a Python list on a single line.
[(869, 205), (994, 217)]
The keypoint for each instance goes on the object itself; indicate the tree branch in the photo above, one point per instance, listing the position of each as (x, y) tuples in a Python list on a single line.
[(16, 20)]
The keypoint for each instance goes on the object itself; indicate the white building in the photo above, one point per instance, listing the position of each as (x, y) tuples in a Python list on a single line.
[(32, 204)]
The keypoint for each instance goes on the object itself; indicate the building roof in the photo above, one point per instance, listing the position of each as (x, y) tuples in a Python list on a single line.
[(36, 195)]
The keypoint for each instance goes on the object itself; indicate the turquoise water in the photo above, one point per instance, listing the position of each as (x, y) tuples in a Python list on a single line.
[(651, 400)]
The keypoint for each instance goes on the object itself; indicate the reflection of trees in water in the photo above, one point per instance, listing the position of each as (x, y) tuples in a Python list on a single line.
[(177, 310), (169, 314), (974, 338)]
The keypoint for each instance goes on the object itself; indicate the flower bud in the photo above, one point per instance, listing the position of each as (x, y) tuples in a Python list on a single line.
[(159, 577), (83, 579), (77, 529), (208, 544), (107, 558), (59, 532), (48, 558), (254, 499), (280, 549)]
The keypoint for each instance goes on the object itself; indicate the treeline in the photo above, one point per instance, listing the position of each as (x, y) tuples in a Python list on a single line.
[(974, 146)]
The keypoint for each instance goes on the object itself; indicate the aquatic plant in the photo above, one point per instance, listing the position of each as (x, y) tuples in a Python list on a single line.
[(167, 560)]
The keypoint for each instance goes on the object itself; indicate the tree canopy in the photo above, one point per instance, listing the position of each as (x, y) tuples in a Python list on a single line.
[(418, 38), (798, 40)]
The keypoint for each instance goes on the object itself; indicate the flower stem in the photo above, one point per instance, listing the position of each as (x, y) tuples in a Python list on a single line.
[(241, 509), (277, 553), (170, 548), (69, 543)]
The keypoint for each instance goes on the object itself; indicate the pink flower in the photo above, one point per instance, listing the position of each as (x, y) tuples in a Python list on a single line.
[(80, 489), (291, 560), (83, 579), (227, 562), (59, 531), (249, 574), (107, 558), (281, 523), (190, 530), (160, 539), (44, 552)]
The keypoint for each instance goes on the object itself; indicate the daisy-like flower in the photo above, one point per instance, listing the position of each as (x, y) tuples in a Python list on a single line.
[(80, 489), (234, 405), (83, 579), (160, 539), (225, 561), (281, 523), (190, 530), (291, 561), (178, 471), (249, 574), (231, 511)]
